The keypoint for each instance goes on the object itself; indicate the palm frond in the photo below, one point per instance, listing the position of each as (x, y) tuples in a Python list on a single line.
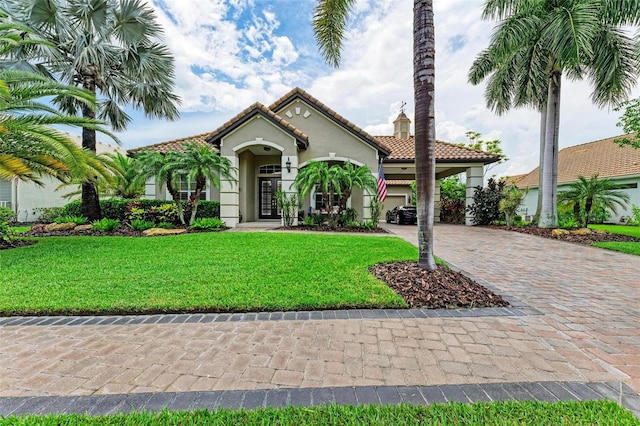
[(329, 23)]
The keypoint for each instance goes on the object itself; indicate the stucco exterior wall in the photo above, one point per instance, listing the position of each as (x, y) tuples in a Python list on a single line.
[(258, 131)]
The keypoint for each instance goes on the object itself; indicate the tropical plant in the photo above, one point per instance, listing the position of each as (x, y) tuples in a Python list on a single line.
[(128, 181), (7, 234), (329, 23), (486, 202), (451, 188), (491, 146), (535, 43), (208, 223), (141, 224), (161, 167), (105, 225), (335, 183), (78, 220), (165, 225), (30, 147), (199, 163), (511, 201), (376, 211), (108, 47), (586, 193), (288, 204)]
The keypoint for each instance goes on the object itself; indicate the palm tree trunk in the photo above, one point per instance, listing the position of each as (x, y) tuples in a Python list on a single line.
[(549, 210), (587, 209), (424, 89), (90, 205), (543, 129)]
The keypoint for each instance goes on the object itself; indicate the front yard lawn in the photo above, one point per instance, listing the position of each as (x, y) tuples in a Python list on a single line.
[(627, 247), (633, 231), (211, 272)]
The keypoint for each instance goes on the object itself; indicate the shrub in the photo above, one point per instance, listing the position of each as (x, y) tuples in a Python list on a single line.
[(116, 208), (486, 202), (354, 224), (78, 220), (167, 212), (208, 223), (452, 211), (208, 209), (7, 235), (165, 225), (289, 204), (309, 221), (318, 219), (49, 214), (346, 216), (634, 219), (368, 224), (7, 215), (106, 225), (510, 202), (141, 225)]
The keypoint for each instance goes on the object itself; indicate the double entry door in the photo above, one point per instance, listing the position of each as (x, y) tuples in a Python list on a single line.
[(268, 202)]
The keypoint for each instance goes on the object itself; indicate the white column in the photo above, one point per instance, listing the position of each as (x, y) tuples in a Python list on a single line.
[(288, 177), (436, 200), (230, 196), (474, 178)]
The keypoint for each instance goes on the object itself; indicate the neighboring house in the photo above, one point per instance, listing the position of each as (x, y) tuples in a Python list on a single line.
[(24, 197), (268, 145), (604, 158)]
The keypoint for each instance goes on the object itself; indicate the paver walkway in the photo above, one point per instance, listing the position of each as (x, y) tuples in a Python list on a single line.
[(587, 329)]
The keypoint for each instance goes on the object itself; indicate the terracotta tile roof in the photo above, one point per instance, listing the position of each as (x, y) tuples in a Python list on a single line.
[(404, 149), (253, 110), (602, 157), (300, 93), (398, 182), (513, 180), (173, 145)]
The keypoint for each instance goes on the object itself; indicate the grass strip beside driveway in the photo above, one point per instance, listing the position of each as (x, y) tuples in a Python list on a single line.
[(213, 272), (480, 414), (629, 248)]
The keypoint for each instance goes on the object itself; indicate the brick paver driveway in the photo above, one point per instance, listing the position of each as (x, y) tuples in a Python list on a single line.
[(587, 330)]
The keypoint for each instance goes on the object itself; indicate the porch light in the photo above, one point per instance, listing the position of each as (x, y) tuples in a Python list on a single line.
[(288, 164)]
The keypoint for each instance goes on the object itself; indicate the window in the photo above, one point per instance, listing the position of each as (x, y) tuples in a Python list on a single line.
[(270, 169), (187, 188), (320, 204)]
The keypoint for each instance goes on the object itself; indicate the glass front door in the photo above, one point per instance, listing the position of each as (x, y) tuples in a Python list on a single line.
[(268, 202)]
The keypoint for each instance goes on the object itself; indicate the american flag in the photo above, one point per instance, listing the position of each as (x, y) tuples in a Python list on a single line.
[(382, 185)]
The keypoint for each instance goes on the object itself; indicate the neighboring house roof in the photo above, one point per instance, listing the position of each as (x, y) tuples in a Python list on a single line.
[(258, 109), (173, 145), (405, 150), (603, 157), (513, 180), (298, 93)]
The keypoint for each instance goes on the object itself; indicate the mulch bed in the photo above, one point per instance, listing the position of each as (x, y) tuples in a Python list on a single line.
[(588, 239), (120, 231), (327, 228), (15, 244), (439, 289)]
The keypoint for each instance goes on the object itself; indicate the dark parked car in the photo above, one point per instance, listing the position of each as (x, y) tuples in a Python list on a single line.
[(402, 214)]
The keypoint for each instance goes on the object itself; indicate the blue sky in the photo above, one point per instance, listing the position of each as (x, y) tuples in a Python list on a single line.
[(232, 53)]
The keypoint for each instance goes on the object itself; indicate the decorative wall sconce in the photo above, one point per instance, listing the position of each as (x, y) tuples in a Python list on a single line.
[(288, 164)]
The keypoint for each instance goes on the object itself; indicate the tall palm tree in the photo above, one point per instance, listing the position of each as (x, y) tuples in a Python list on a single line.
[(329, 23), (199, 164), (575, 38), (29, 146), (108, 47), (585, 193)]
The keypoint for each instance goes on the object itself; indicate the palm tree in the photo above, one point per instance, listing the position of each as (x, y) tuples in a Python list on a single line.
[(199, 164), (318, 175), (107, 47), (128, 179), (570, 37), (585, 193), (160, 167), (30, 147), (349, 177), (329, 23)]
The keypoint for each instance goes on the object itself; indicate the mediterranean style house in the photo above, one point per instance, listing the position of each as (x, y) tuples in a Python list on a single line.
[(604, 158), (267, 145)]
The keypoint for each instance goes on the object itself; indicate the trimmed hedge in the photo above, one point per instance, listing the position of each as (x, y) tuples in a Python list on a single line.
[(116, 208)]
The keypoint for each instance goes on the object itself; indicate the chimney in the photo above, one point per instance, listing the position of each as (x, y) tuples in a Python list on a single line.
[(401, 126)]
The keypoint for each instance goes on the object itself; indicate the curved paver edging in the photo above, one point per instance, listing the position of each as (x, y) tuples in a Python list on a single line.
[(307, 397)]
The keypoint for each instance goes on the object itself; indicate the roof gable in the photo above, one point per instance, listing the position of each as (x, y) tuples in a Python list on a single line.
[(254, 110), (604, 158), (298, 93)]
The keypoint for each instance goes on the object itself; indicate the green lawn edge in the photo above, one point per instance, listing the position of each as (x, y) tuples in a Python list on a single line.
[(495, 413)]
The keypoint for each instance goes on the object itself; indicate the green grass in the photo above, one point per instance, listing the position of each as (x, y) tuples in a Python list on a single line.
[(629, 248), (21, 229), (633, 231), (197, 272), (496, 413)]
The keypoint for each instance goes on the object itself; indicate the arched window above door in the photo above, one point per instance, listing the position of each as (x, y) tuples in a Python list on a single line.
[(270, 168)]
